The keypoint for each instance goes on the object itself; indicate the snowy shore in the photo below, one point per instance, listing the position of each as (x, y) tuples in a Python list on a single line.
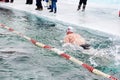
[(98, 17)]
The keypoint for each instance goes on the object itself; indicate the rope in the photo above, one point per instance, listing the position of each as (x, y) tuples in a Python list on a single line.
[(61, 53)]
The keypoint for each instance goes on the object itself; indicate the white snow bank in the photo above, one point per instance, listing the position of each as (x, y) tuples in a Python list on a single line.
[(98, 17)]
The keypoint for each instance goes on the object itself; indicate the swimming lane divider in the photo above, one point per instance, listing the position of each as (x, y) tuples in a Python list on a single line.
[(61, 53)]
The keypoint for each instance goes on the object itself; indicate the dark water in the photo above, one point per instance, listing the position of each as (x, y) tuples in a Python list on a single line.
[(21, 60)]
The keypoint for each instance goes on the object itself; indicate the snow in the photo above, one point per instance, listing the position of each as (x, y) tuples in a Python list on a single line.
[(98, 16)]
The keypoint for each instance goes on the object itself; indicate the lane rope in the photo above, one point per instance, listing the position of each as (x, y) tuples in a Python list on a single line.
[(61, 53)]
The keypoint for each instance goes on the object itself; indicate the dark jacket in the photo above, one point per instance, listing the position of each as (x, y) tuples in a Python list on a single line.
[(54, 0)]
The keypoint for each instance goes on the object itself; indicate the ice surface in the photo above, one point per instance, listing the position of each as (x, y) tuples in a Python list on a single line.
[(102, 16)]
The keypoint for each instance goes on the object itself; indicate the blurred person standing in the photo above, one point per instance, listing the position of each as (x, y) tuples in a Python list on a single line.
[(29, 1), (119, 13), (49, 4), (84, 2), (39, 5), (10, 1), (46, 3), (54, 6), (6, 0)]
